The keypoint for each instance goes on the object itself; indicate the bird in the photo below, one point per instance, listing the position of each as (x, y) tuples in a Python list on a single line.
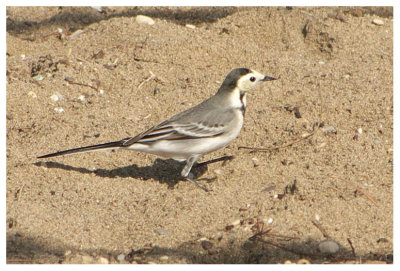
[(201, 129)]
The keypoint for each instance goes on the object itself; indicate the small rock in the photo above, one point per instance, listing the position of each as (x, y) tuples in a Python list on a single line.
[(359, 130), (101, 91), (256, 162), (56, 97), (103, 260), (38, 77), (121, 257), (206, 245), (328, 247), (67, 253), (329, 129), (98, 8), (32, 94), (141, 19), (87, 259), (190, 26), (303, 261), (270, 220), (317, 217), (164, 258), (76, 34), (236, 222), (218, 172), (59, 109), (378, 22), (156, 91), (23, 57), (81, 98)]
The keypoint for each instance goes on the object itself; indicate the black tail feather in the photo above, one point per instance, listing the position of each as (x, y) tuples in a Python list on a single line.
[(108, 145)]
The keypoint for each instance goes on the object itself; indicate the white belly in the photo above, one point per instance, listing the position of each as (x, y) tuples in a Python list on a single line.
[(183, 149)]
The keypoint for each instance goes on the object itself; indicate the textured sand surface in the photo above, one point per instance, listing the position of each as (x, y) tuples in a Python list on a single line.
[(333, 101)]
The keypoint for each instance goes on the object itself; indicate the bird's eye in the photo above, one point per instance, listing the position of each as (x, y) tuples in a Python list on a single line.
[(252, 79)]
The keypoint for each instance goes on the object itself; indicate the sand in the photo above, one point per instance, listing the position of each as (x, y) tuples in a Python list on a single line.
[(77, 76)]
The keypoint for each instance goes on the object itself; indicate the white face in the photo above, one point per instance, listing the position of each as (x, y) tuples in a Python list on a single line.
[(249, 81)]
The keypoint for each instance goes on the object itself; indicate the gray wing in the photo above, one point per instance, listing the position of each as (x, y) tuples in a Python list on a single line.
[(197, 122)]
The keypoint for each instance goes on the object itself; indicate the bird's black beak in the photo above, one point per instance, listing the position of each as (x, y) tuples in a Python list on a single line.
[(268, 78)]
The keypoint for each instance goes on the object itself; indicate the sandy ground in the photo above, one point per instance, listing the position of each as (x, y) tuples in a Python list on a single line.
[(327, 125)]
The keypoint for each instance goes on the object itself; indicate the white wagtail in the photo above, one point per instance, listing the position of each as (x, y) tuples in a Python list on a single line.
[(204, 128)]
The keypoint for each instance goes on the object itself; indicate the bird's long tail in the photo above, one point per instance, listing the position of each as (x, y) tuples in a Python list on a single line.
[(99, 147)]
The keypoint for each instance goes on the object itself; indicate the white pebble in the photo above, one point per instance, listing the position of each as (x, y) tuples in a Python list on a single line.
[(378, 22), (23, 57), (141, 19), (164, 258), (60, 30), (101, 91), (359, 130), (32, 94), (56, 97), (218, 172), (317, 217), (59, 109), (269, 221), (275, 196), (81, 98), (76, 34), (328, 247), (256, 162), (103, 260), (321, 63), (121, 257), (329, 129), (236, 222), (190, 26)]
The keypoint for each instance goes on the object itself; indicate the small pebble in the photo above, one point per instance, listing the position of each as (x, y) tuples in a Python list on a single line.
[(164, 258), (23, 57), (121, 257), (32, 94), (141, 19), (56, 97), (378, 22), (256, 162), (87, 259), (68, 252), (317, 217), (218, 172), (190, 26), (270, 220), (206, 245), (103, 260), (81, 98), (328, 129), (303, 261), (59, 109), (98, 8), (76, 34), (236, 222), (359, 130), (101, 91), (38, 77), (328, 247)]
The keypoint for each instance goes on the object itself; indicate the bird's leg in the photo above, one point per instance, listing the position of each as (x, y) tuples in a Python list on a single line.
[(185, 173)]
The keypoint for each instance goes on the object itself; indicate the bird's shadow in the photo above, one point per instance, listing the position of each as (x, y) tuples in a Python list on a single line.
[(164, 171)]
